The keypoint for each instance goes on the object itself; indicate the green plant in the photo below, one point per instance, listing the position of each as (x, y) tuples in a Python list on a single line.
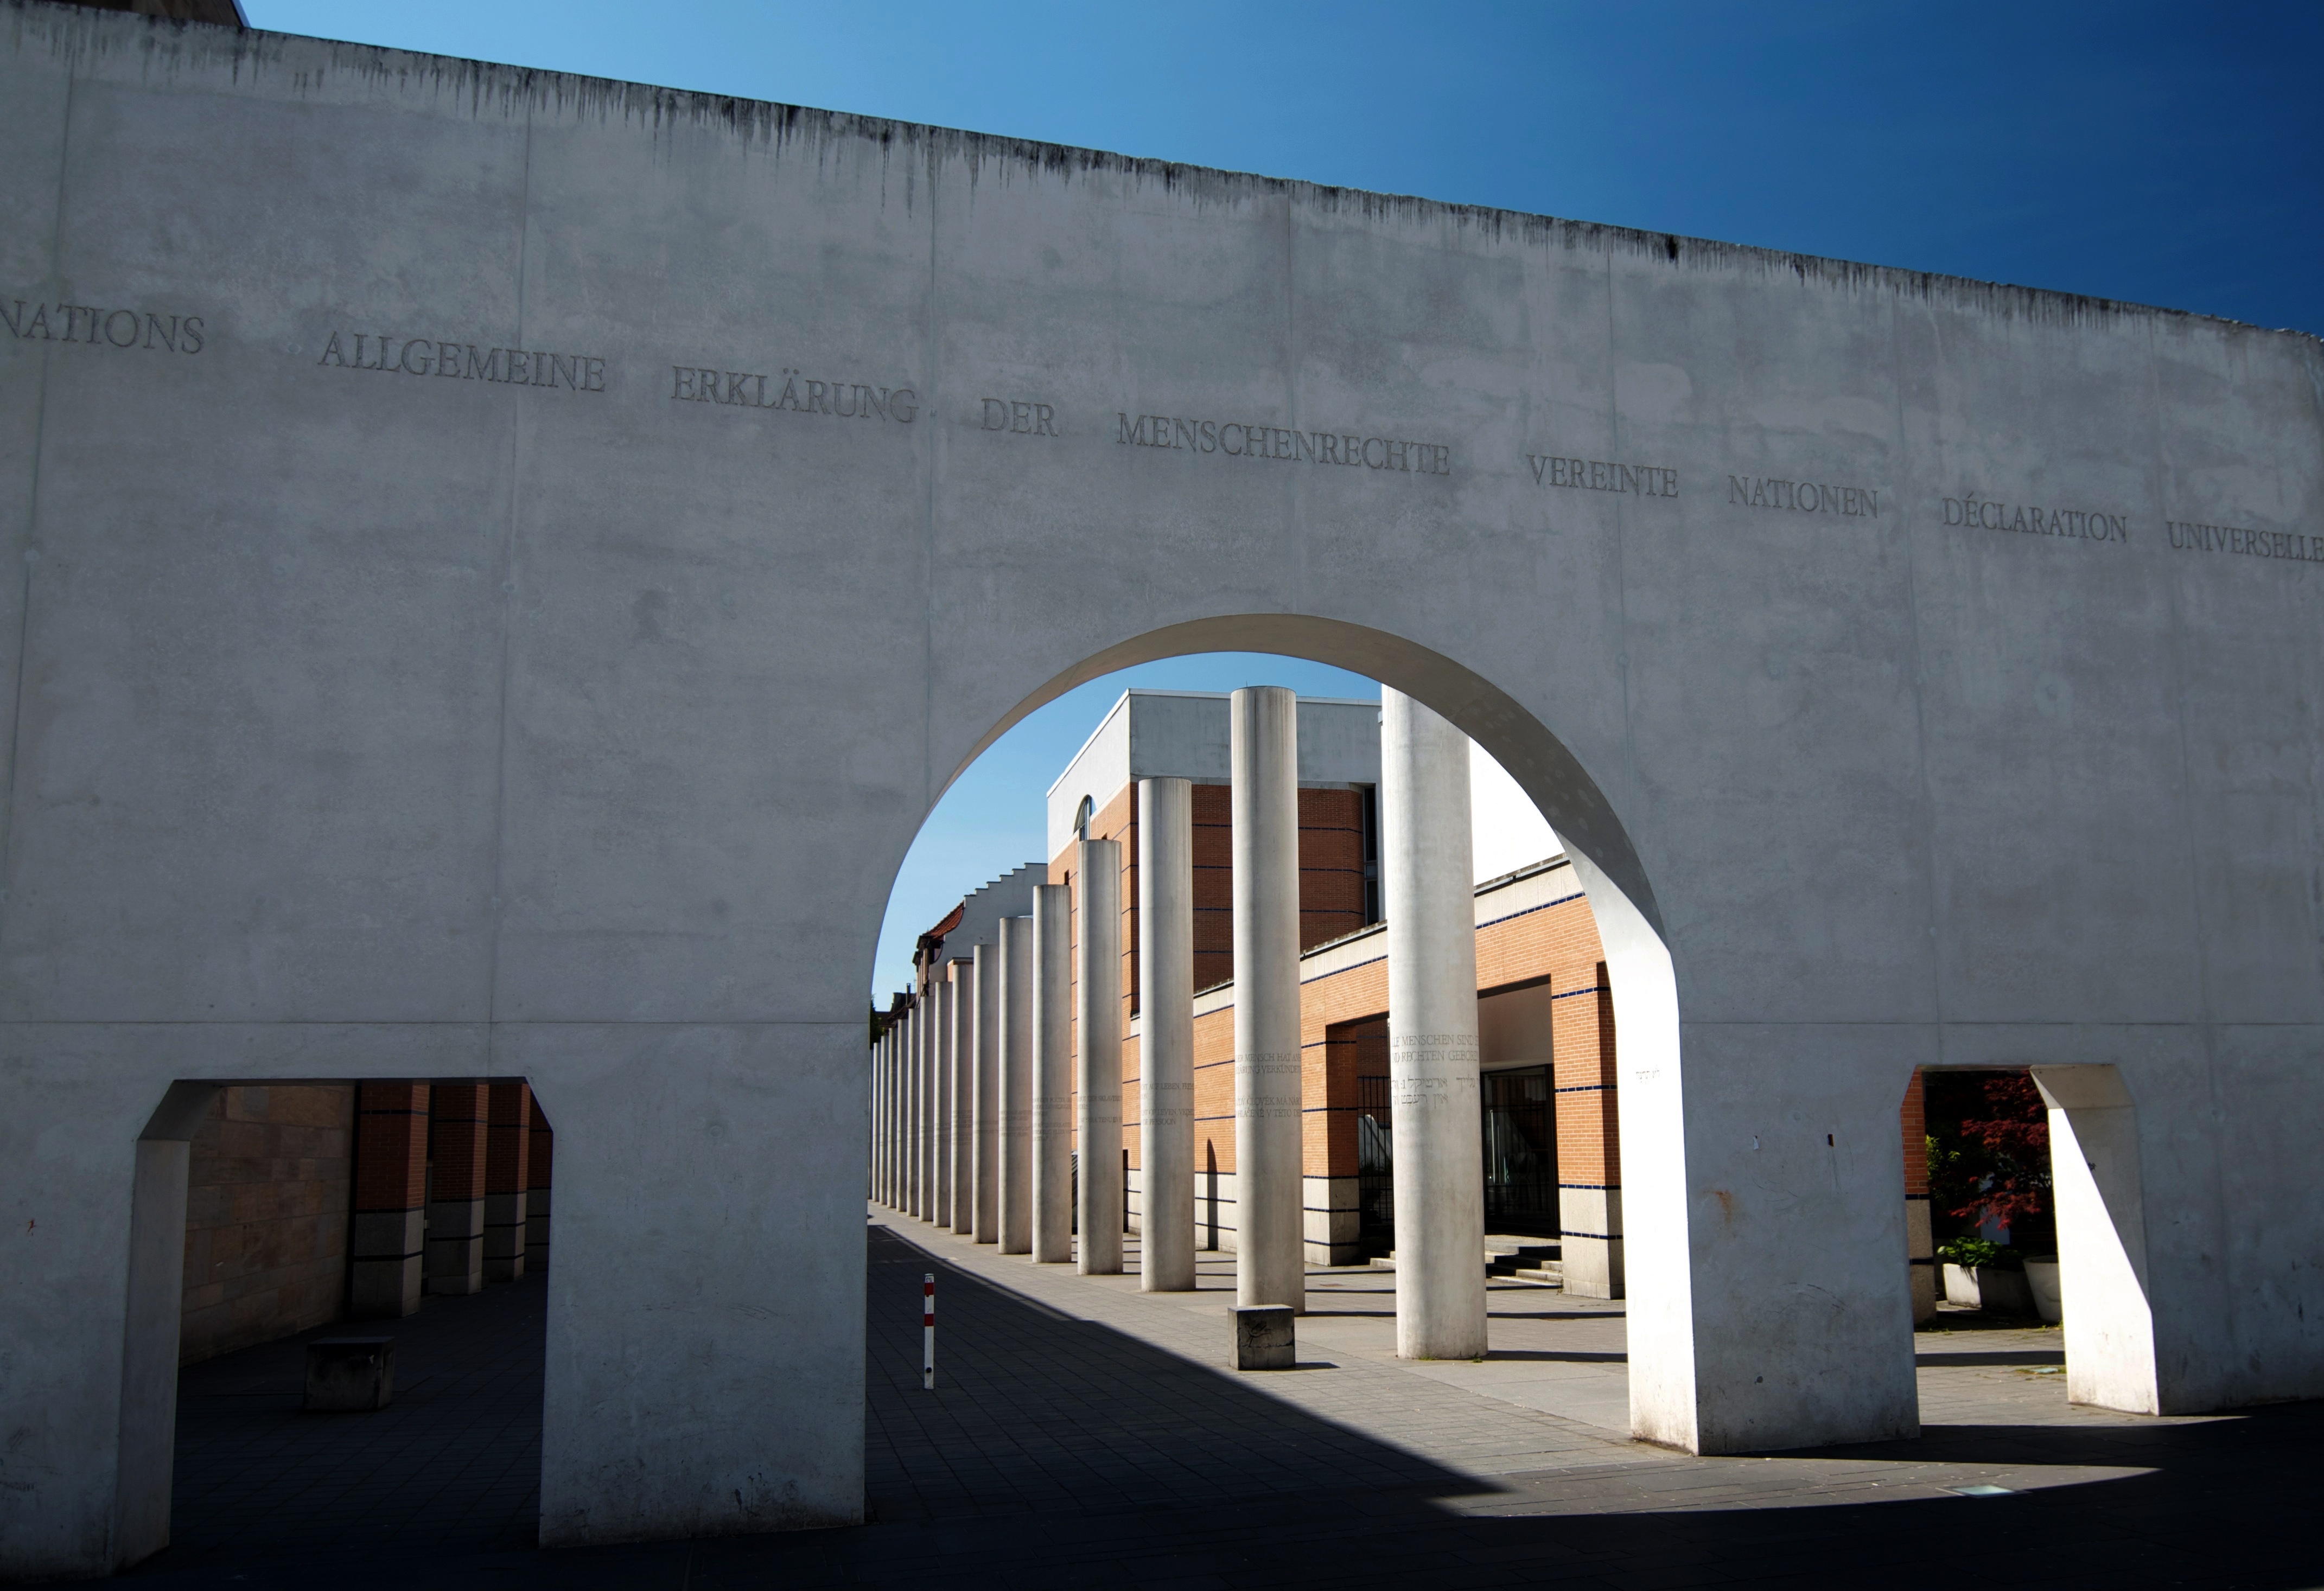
[(1972, 1252)]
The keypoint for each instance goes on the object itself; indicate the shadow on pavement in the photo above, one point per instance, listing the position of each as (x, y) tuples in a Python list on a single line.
[(1058, 1452)]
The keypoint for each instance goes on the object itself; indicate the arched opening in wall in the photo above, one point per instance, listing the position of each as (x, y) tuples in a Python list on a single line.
[(2027, 1237), (1070, 767), (338, 1293)]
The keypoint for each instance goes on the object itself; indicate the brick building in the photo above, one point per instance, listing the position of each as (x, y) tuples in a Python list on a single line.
[(1551, 1152), (1545, 1018)]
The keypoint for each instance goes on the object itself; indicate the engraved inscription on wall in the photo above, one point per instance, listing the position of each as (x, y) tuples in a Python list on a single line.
[(464, 362), (102, 327), (2289, 545), (793, 392), (1019, 416), (1803, 497), (2031, 518), (1602, 474), (1245, 439)]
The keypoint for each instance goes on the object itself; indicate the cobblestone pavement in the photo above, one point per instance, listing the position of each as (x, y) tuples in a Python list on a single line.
[(1082, 1429)]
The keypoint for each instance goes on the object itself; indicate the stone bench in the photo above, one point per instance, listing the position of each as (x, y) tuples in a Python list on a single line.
[(346, 1375)]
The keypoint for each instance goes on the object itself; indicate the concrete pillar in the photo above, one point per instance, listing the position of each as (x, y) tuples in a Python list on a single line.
[(507, 1180), (1015, 1070), (916, 1081), (1432, 1022), (1270, 1258), (457, 1140), (1097, 1054), (1165, 1043), (1052, 1073), (388, 1229), (939, 1133), (536, 1203), (891, 1134), (960, 1151), (146, 1431), (984, 1095), (2118, 1355), (878, 1109)]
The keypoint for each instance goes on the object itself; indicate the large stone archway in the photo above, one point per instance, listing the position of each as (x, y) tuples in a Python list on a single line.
[(510, 560)]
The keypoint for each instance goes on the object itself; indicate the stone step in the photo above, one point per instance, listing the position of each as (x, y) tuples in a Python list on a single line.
[(1525, 1258), (1552, 1275)]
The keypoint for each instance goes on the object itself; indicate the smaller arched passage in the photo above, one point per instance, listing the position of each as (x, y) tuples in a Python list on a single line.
[(352, 1204)]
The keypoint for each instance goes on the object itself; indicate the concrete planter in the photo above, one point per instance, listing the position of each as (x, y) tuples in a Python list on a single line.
[(2041, 1278), (1985, 1287)]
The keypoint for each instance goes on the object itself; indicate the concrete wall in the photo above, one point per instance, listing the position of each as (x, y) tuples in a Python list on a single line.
[(571, 726)]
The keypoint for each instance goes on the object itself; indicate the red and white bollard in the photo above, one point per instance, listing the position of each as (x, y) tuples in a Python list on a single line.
[(928, 1330)]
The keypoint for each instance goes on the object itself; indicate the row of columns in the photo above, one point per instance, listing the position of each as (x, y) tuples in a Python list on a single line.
[(981, 1092), (481, 1217)]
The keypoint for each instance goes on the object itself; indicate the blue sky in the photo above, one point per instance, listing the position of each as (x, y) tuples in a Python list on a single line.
[(2162, 153)]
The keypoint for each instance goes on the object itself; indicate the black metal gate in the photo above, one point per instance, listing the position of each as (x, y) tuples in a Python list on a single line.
[(1375, 1168), (1520, 1119)]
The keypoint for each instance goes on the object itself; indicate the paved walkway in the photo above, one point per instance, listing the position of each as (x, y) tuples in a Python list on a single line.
[(1081, 1434)]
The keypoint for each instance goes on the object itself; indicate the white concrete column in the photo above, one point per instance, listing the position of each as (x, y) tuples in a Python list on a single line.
[(984, 1098), (895, 1113), (1165, 1040), (1097, 1054), (887, 1115), (1427, 896), (1016, 1123), (1270, 1257), (960, 1153), (939, 1209), (2112, 1358), (915, 1074), (1052, 1073)]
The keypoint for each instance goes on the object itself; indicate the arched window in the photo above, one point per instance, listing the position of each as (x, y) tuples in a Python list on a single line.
[(1081, 818)]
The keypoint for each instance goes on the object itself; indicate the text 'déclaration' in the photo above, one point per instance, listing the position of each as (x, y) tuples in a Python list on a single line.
[(2031, 518)]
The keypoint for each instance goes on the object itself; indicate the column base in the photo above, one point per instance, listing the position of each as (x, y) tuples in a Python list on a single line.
[(1590, 1246), (385, 1272), (456, 1247)]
